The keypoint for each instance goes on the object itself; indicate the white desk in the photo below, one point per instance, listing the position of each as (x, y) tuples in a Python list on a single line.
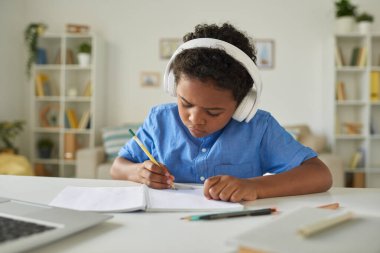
[(165, 232)]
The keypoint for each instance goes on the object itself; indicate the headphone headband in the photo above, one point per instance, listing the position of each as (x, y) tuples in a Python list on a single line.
[(249, 105)]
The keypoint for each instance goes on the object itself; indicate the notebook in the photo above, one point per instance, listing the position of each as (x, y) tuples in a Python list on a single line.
[(25, 225), (360, 234), (141, 197)]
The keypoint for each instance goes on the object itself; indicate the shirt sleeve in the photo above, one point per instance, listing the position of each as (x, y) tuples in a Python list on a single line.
[(131, 150), (279, 151)]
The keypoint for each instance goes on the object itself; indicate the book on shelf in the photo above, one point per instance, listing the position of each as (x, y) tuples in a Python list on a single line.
[(41, 83), (72, 118), (69, 146), (87, 92), (375, 86), (44, 87), (341, 91), (84, 120), (356, 160), (139, 198), (354, 56), (362, 57), (374, 127), (69, 57), (339, 59)]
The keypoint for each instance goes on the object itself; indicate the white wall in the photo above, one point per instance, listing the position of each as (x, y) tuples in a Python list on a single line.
[(13, 87), (297, 90)]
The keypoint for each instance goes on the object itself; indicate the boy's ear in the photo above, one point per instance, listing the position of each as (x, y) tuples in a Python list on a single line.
[(250, 103)]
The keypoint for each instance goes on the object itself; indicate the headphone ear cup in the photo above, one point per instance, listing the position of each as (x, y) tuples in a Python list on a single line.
[(247, 107), (169, 84)]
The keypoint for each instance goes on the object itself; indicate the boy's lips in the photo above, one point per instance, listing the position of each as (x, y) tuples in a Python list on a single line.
[(196, 131)]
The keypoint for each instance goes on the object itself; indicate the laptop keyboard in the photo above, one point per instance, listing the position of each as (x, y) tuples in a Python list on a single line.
[(11, 229)]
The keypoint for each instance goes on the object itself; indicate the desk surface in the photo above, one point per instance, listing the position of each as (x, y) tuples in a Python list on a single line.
[(165, 232)]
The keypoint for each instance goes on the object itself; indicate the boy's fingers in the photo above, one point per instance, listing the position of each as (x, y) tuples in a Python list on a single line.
[(210, 182), (156, 169), (156, 185), (154, 177)]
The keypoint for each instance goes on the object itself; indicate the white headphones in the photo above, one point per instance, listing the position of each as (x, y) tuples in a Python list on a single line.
[(249, 105)]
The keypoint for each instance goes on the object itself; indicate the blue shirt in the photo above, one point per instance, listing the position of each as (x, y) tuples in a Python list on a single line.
[(240, 149)]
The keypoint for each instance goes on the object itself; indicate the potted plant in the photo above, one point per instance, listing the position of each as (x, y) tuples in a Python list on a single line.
[(31, 34), (84, 54), (45, 147), (8, 132), (345, 16), (364, 22)]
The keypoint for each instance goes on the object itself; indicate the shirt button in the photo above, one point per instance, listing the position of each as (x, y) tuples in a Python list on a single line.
[(204, 150), (202, 178)]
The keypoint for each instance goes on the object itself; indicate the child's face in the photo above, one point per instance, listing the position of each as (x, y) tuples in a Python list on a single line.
[(203, 108)]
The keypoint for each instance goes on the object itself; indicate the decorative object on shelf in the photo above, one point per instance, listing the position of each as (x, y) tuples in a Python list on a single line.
[(77, 28), (345, 16), (84, 54), (49, 115), (72, 92), (265, 53), (31, 34), (150, 79), (45, 148), (8, 132), (364, 22), (70, 146)]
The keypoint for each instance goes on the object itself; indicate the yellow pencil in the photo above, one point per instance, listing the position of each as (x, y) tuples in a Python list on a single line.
[(142, 146)]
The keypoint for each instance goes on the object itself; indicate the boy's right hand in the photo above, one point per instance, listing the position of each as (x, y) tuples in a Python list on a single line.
[(154, 176)]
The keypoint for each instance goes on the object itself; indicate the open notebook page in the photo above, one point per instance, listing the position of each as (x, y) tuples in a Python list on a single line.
[(101, 199), (185, 200)]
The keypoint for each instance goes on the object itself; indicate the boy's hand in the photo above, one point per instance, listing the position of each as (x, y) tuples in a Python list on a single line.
[(228, 188), (154, 176)]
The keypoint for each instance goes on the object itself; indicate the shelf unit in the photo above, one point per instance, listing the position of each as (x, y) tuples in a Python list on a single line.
[(356, 137), (60, 88)]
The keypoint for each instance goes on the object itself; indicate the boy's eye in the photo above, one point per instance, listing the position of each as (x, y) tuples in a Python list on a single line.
[(186, 105), (213, 114)]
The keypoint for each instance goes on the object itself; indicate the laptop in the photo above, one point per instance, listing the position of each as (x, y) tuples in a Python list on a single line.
[(25, 225)]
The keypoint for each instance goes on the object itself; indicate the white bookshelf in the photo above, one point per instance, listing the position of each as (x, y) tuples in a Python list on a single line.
[(63, 76), (357, 107)]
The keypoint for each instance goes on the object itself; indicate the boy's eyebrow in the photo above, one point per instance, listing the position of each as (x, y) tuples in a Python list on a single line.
[(207, 108)]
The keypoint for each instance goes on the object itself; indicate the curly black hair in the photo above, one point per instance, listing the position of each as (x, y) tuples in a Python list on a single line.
[(215, 64)]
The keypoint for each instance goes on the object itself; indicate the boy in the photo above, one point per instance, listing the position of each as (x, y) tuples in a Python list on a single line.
[(215, 134)]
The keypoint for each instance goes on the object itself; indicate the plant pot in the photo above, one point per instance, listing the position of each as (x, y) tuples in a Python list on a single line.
[(84, 59), (344, 24), (364, 27), (45, 152)]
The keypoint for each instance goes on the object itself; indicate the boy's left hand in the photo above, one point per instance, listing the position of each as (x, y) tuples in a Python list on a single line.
[(228, 188)]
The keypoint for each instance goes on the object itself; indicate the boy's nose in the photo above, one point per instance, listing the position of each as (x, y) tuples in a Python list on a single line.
[(196, 118)]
